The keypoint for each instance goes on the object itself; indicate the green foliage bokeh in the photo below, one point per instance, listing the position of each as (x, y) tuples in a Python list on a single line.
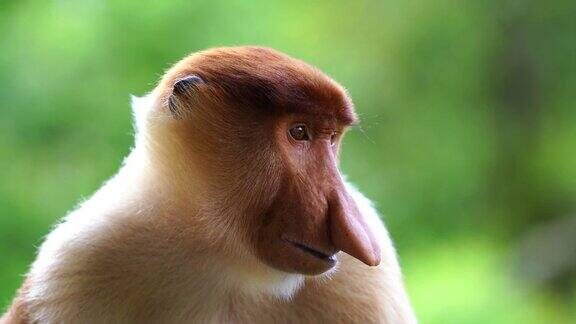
[(467, 142)]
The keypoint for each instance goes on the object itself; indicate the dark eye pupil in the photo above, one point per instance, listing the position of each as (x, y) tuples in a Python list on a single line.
[(299, 133)]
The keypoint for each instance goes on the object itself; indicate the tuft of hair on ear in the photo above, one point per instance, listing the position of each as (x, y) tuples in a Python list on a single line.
[(141, 107), (184, 93)]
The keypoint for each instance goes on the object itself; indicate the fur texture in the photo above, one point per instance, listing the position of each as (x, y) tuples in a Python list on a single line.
[(176, 235)]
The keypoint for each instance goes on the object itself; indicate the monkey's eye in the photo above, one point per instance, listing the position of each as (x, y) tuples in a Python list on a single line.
[(299, 133)]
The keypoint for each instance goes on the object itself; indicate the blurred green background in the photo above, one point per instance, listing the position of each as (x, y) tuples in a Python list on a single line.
[(468, 139)]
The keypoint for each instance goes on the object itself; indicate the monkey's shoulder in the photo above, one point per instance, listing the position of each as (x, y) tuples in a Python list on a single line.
[(91, 267)]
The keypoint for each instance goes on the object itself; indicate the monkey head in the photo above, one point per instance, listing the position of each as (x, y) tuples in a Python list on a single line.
[(253, 136)]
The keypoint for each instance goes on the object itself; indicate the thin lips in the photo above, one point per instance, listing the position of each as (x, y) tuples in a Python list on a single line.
[(311, 251)]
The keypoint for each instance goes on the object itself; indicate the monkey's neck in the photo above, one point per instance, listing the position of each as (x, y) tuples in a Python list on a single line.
[(171, 250)]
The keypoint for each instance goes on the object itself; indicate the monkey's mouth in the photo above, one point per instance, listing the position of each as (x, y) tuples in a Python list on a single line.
[(330, 258)]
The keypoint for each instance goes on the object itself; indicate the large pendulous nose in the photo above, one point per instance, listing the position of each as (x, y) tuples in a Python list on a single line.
[(349, 231)]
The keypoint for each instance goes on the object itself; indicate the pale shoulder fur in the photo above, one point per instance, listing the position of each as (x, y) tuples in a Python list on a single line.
[(117, 259)]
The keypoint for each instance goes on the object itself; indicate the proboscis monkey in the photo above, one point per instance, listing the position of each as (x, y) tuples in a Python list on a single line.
[(229, 209)]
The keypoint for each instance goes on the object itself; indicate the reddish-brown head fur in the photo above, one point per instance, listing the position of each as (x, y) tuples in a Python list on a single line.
[(231, 110)]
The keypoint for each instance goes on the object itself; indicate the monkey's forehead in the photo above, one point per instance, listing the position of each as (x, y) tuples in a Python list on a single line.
[(264, 78)]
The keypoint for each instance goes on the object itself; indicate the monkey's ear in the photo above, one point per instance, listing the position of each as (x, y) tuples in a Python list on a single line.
[(184, 92)]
